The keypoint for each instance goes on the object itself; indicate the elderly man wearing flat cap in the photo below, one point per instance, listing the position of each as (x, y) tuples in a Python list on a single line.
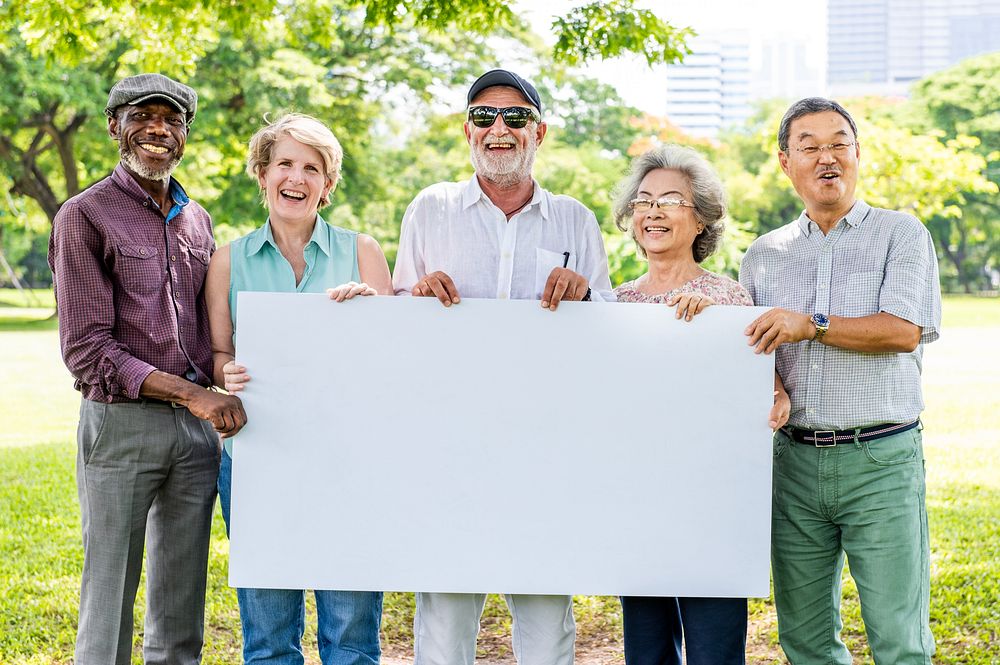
[(129, 257), (499, 235)]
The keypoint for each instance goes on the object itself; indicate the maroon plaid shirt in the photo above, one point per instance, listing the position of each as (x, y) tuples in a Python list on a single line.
[(130, 288)]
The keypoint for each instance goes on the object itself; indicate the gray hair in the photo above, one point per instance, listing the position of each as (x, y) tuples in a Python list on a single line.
[(706, 190), (808, 106)]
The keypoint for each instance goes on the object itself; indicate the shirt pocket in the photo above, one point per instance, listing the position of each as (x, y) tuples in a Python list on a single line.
[(140, 268), (861, 294), (545, 261), (202, 256), (199, 266)]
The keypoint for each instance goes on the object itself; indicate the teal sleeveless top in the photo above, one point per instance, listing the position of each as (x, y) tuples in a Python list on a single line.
[(256, 264)]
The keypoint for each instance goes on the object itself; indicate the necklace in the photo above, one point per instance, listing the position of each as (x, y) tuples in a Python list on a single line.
[(518, 208)]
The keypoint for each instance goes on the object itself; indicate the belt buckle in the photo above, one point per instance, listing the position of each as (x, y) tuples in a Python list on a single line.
[(833, 438)]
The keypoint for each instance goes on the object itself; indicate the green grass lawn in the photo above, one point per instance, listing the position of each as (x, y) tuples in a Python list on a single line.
[(40, 551)]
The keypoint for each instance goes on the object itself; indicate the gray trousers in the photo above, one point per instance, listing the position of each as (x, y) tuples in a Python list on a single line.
[(145, 471)]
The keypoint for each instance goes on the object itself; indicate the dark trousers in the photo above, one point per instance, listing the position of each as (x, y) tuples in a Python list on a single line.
[(714, 630)]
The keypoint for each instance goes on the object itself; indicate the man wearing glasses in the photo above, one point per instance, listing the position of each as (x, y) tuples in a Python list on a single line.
[(856, 296), (499, 235)]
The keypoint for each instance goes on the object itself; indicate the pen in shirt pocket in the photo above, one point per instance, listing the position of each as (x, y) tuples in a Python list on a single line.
[(565, 259)]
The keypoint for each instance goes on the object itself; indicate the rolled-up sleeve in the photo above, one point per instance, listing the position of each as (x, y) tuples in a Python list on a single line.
[(409, 266), (594, 262), (85, 299)]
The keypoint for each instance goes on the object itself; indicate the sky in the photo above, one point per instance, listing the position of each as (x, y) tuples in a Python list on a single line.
[(643, 87)]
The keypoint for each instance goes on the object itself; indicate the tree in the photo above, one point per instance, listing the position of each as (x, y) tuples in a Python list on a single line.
[(340, 60), (961, 105), (336, 59), (592, 113), (72, 30)]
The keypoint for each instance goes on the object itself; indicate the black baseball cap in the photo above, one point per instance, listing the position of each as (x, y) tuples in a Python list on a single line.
[(503, 77)]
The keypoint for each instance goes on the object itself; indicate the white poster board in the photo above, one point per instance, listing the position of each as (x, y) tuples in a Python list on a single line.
[(494, 446)]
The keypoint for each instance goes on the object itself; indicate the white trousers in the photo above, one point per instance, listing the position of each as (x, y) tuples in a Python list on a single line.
[(446, 625)]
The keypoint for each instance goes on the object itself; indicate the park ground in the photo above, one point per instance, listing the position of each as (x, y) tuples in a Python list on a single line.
[(41, 554)]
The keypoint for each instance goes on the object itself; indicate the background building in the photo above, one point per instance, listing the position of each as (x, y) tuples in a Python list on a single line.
[(711, 89), (883, 46), (783, 69)]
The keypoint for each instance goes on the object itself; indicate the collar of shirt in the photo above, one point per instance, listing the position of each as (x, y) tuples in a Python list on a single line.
[(854, 217), (473, 193), (264, 235), (124, 179)]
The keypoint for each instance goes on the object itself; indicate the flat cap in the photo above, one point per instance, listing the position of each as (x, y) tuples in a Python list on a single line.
[(503, 77), (144, 87)]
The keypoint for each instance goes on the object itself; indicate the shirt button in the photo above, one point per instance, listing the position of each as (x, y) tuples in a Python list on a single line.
[(812, 411), (506, 255), (503, 296), (173, 257), (815, 366), (142, 252)]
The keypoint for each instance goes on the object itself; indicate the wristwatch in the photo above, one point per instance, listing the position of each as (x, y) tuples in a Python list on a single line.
[(822, 323)]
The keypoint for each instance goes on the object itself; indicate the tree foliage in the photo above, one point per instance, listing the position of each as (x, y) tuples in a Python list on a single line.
[(961, 106), (374, 71), (614, 28), (180, 33), (340, 60)]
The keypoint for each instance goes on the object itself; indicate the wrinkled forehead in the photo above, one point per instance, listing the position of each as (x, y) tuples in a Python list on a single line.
[(501, 96), (665, 183), (825, 126)]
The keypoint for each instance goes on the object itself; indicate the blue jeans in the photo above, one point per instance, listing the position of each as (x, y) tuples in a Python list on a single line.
[(714, 630), (273, 620)]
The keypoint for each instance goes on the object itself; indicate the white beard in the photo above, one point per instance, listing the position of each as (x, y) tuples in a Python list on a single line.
[(504, 169), (132, 161)]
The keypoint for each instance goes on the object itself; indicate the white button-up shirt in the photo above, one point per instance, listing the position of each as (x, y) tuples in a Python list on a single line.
[(874, 260), (455, 228)]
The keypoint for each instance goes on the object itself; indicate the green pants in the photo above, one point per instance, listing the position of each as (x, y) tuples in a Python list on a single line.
[(865, 500)]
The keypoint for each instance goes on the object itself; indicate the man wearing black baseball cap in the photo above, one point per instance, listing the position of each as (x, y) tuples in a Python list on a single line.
[(129, 256), (499, 235)]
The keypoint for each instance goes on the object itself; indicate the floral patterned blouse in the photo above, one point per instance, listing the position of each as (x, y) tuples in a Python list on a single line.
[(721, 289)]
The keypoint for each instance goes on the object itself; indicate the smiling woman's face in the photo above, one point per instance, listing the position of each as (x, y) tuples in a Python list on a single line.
[(294, 182), (666, 231)]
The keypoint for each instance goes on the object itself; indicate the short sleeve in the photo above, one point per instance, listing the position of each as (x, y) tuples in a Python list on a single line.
[(911, 287)]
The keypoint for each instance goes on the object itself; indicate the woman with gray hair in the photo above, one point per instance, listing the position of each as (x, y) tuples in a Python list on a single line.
[(674, 206)]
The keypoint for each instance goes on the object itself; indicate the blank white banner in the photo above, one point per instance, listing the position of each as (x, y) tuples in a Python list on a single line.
[(494, 446)]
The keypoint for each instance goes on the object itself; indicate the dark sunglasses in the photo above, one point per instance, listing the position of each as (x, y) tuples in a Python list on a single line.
[(514, 117)]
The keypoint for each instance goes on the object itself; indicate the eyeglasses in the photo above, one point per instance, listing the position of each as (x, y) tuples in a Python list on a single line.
[(834, 148), (642, 205), (514, 117)]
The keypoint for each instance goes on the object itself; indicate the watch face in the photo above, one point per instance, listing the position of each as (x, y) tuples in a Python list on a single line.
[(821, 319)]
